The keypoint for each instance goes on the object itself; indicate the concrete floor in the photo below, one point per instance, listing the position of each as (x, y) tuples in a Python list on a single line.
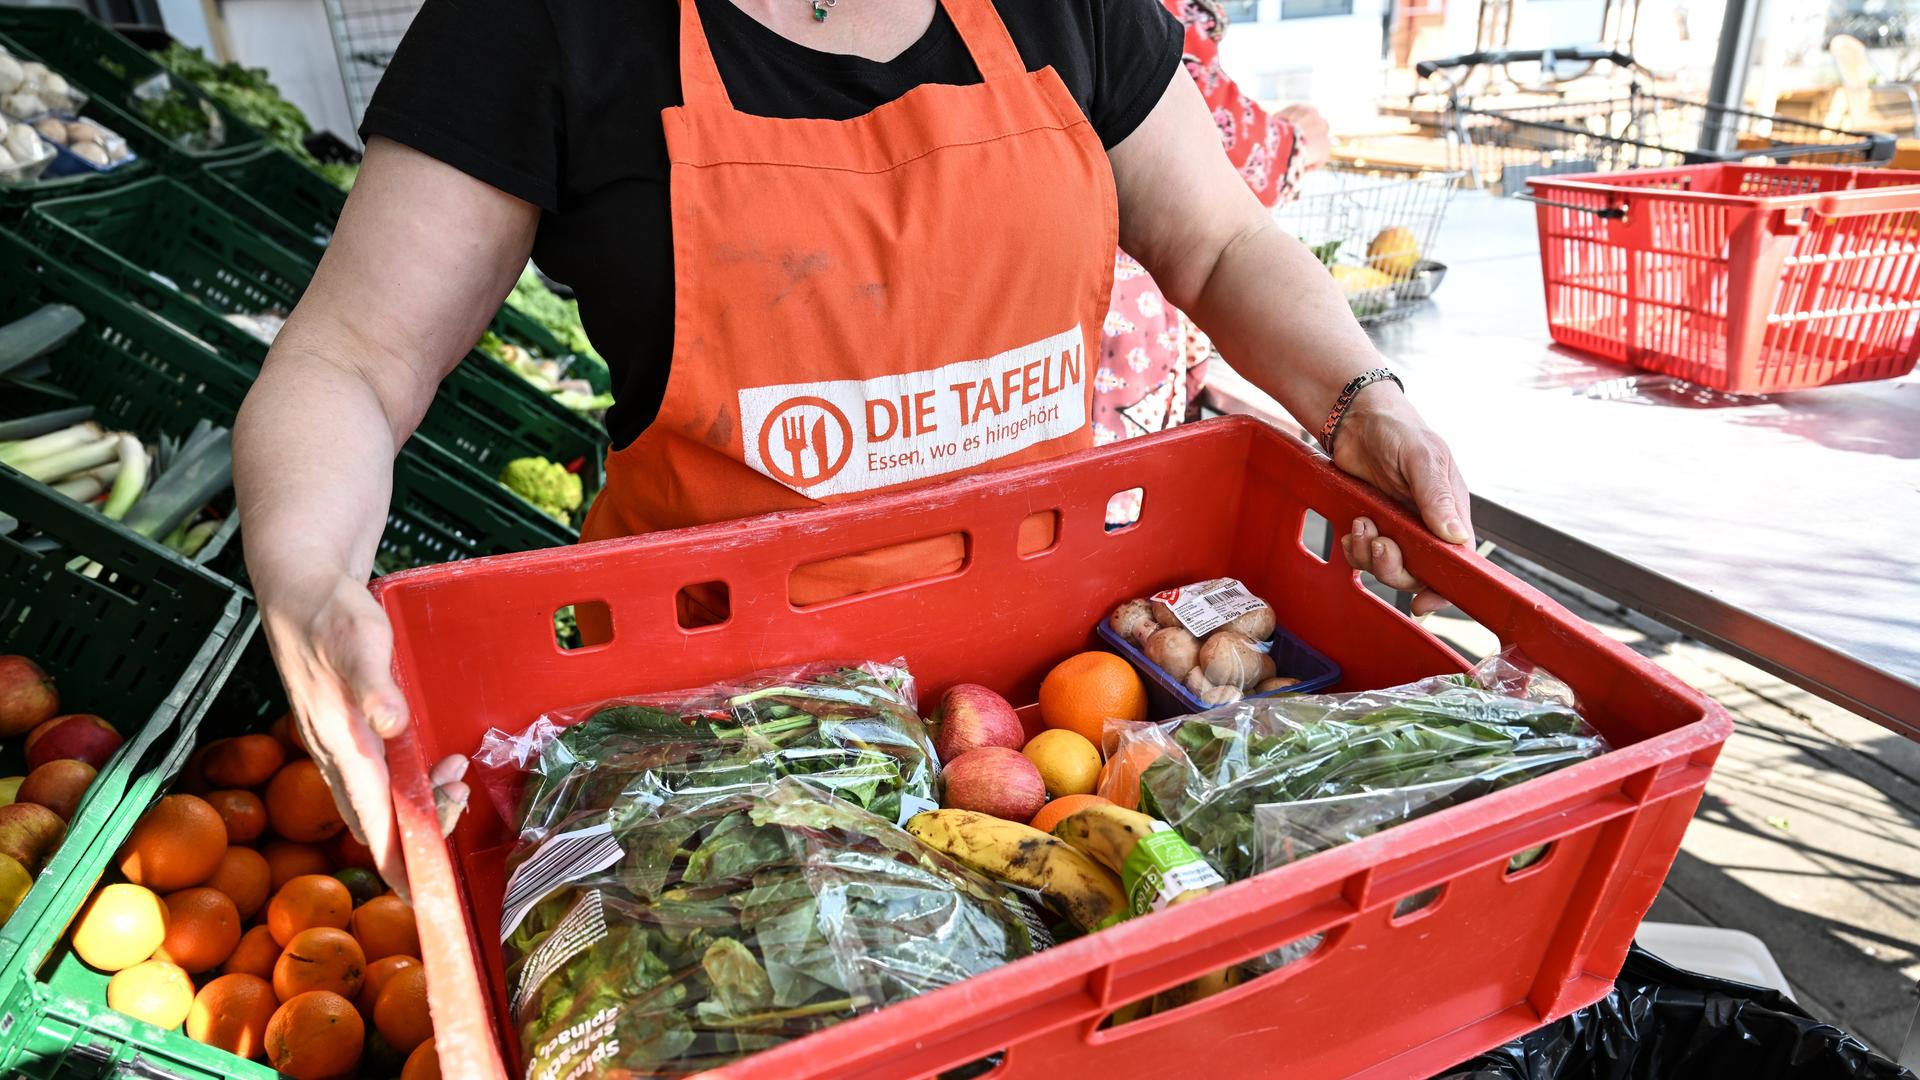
[(1808, 836)]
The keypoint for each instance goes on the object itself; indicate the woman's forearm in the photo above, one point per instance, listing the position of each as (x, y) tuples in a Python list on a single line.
[(313, 464), (1281, 321)]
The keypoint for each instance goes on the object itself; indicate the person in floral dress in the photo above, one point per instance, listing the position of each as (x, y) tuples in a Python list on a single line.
[(1153, 362)]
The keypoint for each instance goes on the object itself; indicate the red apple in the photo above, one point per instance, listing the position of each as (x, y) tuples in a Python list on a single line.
[(29, 832), (81, 736), (994, 780), (27, 696), (973, 716), (58, 786)]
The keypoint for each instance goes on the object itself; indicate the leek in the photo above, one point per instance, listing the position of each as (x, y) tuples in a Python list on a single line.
[(74, 459), (200, 471), (83, 488), (19, 454), (131, 481)]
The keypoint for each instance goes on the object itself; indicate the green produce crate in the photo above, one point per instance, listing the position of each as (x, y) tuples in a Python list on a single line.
[(17, 199), (108, 67), (276, 193), (131, 645), (167, 249), (442, 508), (55, 1006)]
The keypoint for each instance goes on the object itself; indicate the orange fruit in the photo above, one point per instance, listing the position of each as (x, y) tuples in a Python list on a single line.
[(348, 853), (1065, 806), (1068, 763), (315, 1036), (300, 806), (192, 779), (175, 845), (1120, 777), (202, 929), (287, 734), (384, 927), (378, 972), (120, 927), (287, 860), (243, 762), (244, 876), (422, 1064), (400, 1013), (1083, 692), (231, 1013), (255, 955), (306, 902), (155, 991), (320, 959), (244, 815)]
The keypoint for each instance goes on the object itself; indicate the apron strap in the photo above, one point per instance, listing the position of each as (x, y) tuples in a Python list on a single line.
[(980, 27), (699, 77), (994, 52)]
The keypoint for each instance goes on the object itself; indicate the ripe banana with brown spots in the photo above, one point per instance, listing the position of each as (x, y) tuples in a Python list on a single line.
[(1025, 856)]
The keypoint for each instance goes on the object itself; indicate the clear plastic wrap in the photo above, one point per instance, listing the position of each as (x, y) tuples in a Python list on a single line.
[(688, 888), (1266, 781), (734, 923), (851, 728)]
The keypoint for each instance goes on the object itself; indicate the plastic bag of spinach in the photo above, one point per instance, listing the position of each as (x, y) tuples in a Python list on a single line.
[(729, 924), (1266, 781), (851, 728)]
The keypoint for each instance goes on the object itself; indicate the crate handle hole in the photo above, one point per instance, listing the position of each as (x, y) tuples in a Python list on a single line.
[(1417, 905), (703, 606), (1532, 859), (582, 624), (1125, 509), (1316, 535), (889, 568), (1039, 533)]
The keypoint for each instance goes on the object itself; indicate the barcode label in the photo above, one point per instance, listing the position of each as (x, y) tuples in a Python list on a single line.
[(559, 859), (913, 804), (583, 927), (1209, 605)]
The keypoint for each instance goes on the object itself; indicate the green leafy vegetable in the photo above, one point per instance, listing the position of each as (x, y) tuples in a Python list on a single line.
[(246, 92)]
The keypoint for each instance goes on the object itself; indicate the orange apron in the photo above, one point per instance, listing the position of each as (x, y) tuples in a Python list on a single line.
[(859, 305)]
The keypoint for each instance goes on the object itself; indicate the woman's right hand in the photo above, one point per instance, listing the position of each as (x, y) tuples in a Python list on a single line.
[(334, 649)]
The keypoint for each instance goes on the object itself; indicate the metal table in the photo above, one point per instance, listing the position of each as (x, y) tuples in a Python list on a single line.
[(1780, 529)]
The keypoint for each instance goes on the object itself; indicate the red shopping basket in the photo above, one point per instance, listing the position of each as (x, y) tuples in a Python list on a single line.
[(1748, 279), (1388, 992)]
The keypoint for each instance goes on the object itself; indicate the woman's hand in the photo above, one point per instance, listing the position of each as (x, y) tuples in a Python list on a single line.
[(1383, 441), (334, 650), (1311, 128)]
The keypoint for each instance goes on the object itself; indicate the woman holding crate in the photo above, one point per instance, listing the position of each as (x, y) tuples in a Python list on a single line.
[(828, 247)]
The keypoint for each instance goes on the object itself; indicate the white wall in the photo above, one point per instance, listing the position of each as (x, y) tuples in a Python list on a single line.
[(1332, 61), (291, 40)]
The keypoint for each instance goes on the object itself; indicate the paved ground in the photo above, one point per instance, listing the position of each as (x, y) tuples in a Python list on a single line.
[(1809, 834)]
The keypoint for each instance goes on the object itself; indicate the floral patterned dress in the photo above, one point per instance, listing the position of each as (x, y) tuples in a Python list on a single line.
[(1153, 361)]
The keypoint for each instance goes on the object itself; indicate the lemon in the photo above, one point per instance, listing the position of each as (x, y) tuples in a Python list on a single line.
[(1068, 763), (120, 927), (156, 991)]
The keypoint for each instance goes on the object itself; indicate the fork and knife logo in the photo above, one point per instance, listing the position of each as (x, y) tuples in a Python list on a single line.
[(805, 441)]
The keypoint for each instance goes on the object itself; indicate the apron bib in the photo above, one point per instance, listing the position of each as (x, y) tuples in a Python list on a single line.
[(859, 305)]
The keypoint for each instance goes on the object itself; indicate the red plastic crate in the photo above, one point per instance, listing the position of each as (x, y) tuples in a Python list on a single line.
[(1494, 956), (1748, 279)]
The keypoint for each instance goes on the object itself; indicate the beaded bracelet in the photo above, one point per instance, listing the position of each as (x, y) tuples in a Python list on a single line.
[(1345, 402)]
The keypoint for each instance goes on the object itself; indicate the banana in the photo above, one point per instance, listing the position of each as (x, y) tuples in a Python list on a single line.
[(1109, 833), (1025, 856)]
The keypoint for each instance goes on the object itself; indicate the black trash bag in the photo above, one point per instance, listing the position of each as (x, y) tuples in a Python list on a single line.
[(1662, 1023)]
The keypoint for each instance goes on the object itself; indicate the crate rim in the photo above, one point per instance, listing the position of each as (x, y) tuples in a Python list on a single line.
[(1076, 968), (1627, 183)]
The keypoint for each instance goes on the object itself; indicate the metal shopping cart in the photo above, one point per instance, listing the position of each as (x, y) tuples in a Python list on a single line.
[(1617, 127), (1375, 228)]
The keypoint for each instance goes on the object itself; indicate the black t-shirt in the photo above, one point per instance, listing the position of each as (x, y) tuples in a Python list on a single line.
[(558, 102)]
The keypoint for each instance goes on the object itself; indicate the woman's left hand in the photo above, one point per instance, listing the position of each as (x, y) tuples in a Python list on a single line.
[(1313, 131), (1383, 441)]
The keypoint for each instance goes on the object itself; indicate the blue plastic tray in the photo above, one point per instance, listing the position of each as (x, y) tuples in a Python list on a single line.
[(1168, 698)]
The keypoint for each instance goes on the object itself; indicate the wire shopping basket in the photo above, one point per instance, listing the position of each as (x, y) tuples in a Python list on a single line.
[(1375, 228), (1621, 128)]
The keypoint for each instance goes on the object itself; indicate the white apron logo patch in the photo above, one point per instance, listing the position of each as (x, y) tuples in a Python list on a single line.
[(850, 435)]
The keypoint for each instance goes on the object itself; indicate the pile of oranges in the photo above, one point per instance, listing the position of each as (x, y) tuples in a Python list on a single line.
[(247, 880)]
